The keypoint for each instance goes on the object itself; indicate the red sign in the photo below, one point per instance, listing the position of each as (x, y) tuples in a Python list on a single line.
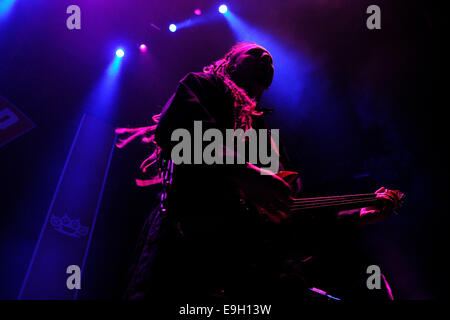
[(13, 123)]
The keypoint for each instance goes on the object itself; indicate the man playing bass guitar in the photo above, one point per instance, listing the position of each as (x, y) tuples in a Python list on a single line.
[(203, 242)]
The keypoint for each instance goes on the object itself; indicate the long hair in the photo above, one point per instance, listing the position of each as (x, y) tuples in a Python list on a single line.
[(244, 106), (244, 109)]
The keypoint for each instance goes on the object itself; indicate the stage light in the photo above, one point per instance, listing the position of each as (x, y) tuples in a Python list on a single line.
[(120, 53), (6, 7), (291, 77), (223, 9), (173, 28), (197, 12), (143, 48)]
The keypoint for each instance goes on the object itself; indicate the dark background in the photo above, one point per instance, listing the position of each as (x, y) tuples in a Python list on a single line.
[(368, 116)]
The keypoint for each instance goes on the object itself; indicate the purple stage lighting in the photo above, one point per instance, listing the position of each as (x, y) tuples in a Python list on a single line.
[(223, 9), (143, 48), (197, 12), (120, 53)]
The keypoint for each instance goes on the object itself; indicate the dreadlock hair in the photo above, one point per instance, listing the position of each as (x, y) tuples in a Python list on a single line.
[(244, 106), (244, 109)]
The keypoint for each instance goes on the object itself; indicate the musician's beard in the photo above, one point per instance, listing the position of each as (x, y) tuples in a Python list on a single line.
[(249, 80), (264, 76)]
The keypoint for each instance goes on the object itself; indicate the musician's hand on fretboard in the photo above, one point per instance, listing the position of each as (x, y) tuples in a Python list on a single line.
[(390, 201)]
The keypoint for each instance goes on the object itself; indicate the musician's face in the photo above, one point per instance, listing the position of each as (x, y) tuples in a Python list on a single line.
[(253, 65)]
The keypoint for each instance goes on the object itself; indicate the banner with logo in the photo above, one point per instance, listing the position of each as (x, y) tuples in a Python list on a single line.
[(13, 123), (62, 247)]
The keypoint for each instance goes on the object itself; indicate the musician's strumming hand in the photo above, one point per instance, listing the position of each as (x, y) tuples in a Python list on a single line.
[(390, 201)]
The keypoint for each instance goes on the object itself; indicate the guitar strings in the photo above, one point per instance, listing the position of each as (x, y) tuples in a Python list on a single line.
[(309, 202), (362, 203), (333, 200), (312, 205), (298, 200)]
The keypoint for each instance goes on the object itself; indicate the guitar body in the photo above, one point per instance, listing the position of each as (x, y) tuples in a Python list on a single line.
[(288, 176)]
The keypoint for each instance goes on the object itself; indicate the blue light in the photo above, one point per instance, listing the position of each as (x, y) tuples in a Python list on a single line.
[(292, 68), (120, 53), (173, 28), (6, 7), (102, 101), (223, 9)]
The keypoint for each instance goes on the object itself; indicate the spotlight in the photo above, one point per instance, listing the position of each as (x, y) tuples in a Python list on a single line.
[(197, 12), (173, 28), (120, 53), (143, 48), (223, 9)]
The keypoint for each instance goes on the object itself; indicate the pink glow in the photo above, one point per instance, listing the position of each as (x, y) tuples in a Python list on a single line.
[(149, 182), (143, 48), (388, 287), (197, 12)]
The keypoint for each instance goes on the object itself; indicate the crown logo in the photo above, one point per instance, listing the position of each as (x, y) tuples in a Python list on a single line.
[(69, 227)]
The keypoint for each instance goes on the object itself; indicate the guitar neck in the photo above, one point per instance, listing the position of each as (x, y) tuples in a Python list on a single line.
[(334, 202)]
